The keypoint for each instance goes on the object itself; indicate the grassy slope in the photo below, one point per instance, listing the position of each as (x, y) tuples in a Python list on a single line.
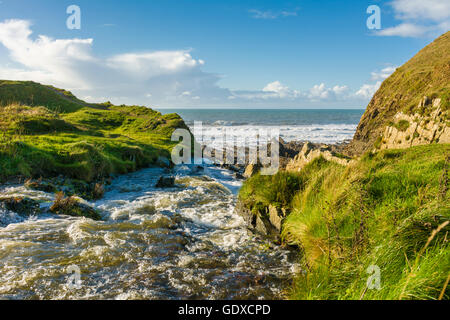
[(426, 74), (59, 134), (380, 211)]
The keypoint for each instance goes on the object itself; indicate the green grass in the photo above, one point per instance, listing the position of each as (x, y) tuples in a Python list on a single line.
[(66, 136), (380, 211), (34, 94), (402, 125)]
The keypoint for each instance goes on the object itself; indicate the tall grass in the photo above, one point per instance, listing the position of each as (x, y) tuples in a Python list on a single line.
[(389, 210)]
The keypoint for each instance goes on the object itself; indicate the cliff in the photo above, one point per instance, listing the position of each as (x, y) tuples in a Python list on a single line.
[(415, 90)]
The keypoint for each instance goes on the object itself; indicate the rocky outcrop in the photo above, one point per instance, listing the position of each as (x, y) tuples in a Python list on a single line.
[(311, 152), (267, 222), (412, 130)]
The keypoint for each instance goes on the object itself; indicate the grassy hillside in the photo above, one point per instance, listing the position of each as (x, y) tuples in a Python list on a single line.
[(390, 210), (46, 132), (30, 93), (426, 74)]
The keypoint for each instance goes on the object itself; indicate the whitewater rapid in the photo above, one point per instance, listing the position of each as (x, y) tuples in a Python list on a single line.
[(185, 242)]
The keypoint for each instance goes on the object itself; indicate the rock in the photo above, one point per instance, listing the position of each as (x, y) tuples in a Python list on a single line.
[(197, 169), (405, 91), (165, 182), (251, 170), (311, 151), (22, 206), (276, 217), (412, 130), (261, 227), (40, 186), (98, 191), (163, 162), (238, 176), (259, 223), (71, 206), (264, 227)]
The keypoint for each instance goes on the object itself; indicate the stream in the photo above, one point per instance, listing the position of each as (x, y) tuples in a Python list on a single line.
[(185, 242)]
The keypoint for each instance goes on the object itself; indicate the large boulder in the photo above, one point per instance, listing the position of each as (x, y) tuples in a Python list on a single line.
[(165, 182)]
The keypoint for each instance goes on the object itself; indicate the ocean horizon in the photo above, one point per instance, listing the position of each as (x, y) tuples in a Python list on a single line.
[(314, 125)]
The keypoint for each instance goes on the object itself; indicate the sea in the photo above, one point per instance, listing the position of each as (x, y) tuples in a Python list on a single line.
[(319, 126)]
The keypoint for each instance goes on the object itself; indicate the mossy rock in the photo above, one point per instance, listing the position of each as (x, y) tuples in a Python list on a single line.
[(71, 206), (22, 206)]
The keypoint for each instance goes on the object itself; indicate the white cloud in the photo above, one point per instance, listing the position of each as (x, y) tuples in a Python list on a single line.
[(405, 30), (436, 10), (321, 92), (154, 63), (127, 78), (276, 91), (368, 90), (419, 18), (383, 74)]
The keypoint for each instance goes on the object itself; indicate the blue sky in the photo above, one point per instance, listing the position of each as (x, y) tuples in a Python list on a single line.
[(292, 54)]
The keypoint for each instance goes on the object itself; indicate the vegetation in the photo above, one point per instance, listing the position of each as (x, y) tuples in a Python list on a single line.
[(402, 125), (72, 207), (48, 132), (390, 209), (426, 74)]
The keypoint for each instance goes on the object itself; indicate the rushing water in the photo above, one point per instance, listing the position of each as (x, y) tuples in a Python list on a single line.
[(180, 243)]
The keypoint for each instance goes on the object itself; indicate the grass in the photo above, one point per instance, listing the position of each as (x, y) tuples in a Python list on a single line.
[(389, 209), (402, 125), (69, 137)]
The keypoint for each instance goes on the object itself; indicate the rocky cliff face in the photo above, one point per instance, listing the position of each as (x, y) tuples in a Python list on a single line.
[(401, 97), (412, 130)]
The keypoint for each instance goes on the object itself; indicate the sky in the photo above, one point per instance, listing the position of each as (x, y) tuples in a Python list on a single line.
[(216, 54)]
